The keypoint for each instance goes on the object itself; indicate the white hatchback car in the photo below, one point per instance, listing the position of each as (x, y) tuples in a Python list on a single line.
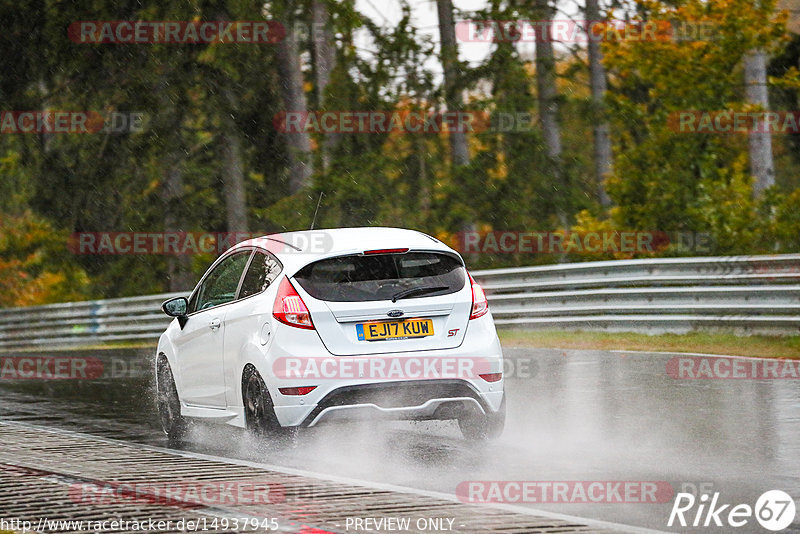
[(294, 329)]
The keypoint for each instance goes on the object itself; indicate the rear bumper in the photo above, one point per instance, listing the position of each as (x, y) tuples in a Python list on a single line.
[(414, 398), (431, 400), (411, 400)]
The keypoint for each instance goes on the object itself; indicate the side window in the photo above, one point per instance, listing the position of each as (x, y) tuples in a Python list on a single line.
[(219, 287), (264, 269)]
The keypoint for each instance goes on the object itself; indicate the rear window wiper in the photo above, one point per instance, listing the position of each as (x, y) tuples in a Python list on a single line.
[(417, 291)]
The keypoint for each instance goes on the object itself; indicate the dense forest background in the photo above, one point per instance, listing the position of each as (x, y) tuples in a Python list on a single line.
[(601, 155)]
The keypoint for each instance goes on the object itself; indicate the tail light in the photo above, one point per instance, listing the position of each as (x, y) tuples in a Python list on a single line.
[(303, 390), (480, 306), (289, 308), (492, 377)]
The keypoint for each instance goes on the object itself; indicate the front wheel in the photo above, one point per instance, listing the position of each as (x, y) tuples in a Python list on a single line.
[(483, 427), (169, 405)]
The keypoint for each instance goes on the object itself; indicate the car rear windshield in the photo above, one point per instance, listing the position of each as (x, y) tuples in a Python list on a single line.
[(360, 278)]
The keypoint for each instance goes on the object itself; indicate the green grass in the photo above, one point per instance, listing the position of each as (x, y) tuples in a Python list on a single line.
[(123, 345), (705, 342), (111, 345)]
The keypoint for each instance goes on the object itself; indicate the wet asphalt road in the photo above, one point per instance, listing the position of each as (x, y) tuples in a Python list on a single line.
[(572, 416)]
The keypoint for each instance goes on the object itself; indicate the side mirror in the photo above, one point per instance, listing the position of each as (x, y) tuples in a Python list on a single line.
[(177, 307)]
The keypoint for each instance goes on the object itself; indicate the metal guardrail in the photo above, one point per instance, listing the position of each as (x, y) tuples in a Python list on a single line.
[(746, 294), (749, 294), (84, 323)]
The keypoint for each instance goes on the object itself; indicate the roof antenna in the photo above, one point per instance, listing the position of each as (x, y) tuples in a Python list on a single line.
[(314, 221)]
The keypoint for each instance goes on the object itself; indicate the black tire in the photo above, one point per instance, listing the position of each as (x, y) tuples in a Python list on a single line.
[(484, 427), (169, 405), (259, 413)]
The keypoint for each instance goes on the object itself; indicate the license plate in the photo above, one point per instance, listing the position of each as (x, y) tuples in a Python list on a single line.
[(382, 330)]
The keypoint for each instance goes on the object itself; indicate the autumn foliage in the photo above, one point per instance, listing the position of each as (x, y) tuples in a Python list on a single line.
[(34, 264)]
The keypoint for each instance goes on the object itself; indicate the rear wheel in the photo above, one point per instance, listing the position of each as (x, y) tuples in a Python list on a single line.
[(259, 412), (169, 404), (483, 427)]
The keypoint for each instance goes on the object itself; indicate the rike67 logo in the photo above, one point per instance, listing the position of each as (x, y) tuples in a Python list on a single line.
[(774, 510)]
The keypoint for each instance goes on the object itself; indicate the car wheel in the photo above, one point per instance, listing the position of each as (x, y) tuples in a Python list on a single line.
[(483, 427), (259, 413), (169, 405)]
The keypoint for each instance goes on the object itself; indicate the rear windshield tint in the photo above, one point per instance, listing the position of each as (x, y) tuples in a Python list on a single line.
[(360, 278)]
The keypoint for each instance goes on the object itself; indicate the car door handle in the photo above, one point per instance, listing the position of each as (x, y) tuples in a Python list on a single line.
[(214, 324)]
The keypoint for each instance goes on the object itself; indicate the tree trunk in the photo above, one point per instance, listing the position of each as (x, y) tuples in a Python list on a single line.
[(233, 183), (173, 155), (298, 145), (760, 142), (233, 180), (425, 192), (548, 108), (323, 47), (452, 93), (597, 74), (178, 266), (324, 61)]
